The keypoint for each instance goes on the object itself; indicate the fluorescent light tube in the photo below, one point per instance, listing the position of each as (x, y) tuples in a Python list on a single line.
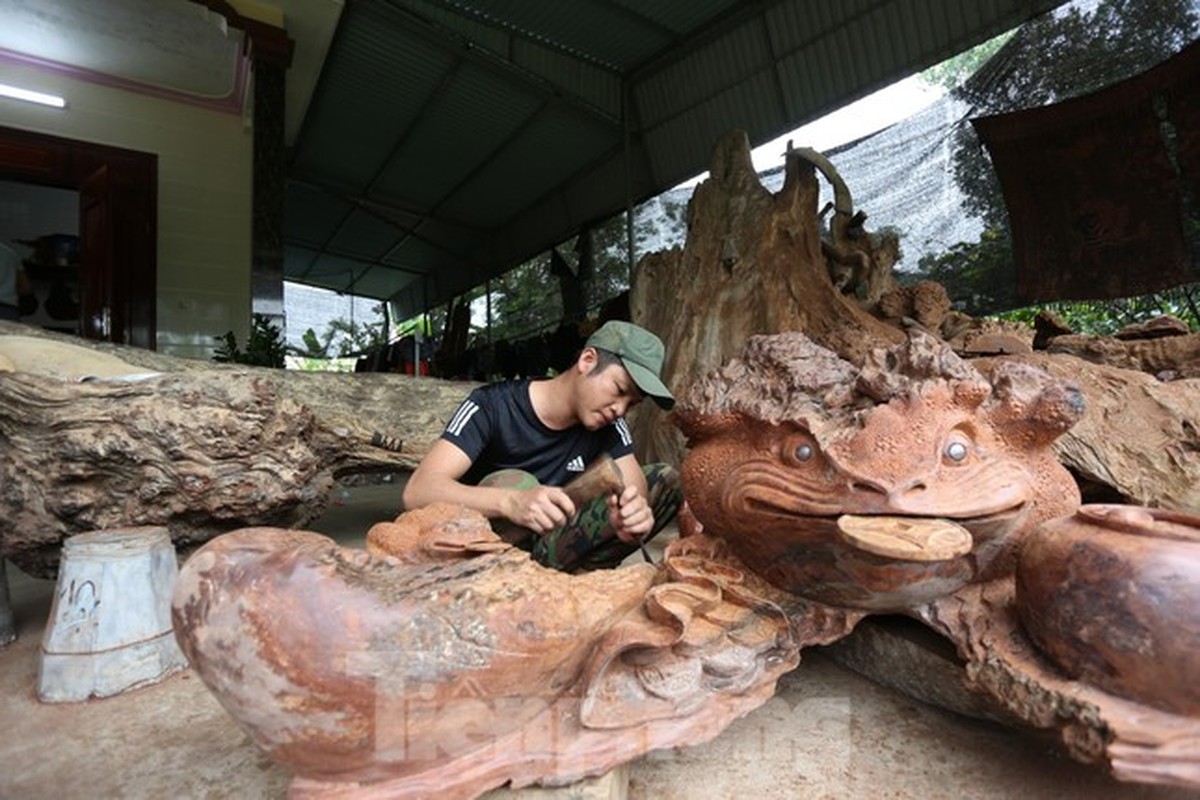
[(32, 97)]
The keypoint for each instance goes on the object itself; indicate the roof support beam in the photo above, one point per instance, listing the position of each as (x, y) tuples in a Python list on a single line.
[(450, 42), (368, 206)]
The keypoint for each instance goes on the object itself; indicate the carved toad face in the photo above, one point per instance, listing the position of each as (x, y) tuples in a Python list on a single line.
[(873, 489)]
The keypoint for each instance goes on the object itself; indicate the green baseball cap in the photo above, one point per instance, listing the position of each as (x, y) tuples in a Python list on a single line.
[(641, 353)]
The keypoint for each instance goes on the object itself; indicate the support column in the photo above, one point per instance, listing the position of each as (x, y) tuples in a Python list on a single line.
[(268, 192), (270, 50)]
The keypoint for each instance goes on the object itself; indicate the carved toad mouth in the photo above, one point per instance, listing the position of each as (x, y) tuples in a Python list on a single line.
[(873, 522), (906, 538)]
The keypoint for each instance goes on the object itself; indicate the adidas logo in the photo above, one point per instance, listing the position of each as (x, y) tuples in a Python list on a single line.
[(575, 464)]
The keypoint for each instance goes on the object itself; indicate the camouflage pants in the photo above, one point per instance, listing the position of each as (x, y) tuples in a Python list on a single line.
[(588, 541)]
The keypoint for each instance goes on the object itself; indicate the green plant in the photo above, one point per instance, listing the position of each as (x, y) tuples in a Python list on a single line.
[(1106, 317), (979, 276), (264, 347)]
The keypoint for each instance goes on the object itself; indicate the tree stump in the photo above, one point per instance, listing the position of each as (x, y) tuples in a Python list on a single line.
[(752, 264)]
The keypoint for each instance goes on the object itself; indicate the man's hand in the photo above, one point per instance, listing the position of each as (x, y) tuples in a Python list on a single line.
[(541, 509), (630, 515)]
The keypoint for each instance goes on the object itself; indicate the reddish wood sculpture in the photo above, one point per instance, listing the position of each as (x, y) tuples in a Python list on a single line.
[(854, 489), (449, 662), (1112, 596), (940, 470)]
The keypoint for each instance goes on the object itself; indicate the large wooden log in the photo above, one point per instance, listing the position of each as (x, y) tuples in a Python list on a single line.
[(199, 448), (1139, 436)]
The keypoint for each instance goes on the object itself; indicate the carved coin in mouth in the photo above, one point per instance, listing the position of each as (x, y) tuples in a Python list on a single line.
[(905, 538)]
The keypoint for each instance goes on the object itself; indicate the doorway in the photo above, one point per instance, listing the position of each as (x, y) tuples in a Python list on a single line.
[(40, 224), (117, 227)]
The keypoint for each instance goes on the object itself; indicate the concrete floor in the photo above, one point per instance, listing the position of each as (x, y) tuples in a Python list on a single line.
[(828, 733)]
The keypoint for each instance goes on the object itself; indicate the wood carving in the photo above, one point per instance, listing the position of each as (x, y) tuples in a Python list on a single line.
[(788, 439), (447, 662), (916, 486), (754, 264)]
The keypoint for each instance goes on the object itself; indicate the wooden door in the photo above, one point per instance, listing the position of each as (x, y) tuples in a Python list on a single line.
[(99, 316)]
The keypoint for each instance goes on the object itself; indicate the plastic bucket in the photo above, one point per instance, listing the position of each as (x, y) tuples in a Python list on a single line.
[(110, 620)]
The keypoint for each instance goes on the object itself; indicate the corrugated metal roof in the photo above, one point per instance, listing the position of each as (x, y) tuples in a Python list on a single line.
[(449, 140)]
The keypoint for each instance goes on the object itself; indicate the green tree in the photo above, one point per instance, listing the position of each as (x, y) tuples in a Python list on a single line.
[(954, 71), (314, 346), (659, 222), (346, 337), (525, 300), (354, 337), (978, 275), (528, 299), (1072, 51)]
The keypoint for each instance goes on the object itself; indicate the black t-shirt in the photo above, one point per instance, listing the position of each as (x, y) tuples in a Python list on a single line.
[(497, 428)]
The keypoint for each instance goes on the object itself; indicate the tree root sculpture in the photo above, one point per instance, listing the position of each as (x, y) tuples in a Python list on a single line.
[(755, 263), (443, 659), (839, 485), (455, 663)]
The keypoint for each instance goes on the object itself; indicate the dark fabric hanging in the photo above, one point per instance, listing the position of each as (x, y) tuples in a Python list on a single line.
[(1103, 190)]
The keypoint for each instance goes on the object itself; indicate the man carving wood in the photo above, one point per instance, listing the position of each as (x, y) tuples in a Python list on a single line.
[(511, 448)]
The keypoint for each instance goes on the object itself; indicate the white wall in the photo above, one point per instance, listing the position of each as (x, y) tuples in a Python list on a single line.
[(205, 164)]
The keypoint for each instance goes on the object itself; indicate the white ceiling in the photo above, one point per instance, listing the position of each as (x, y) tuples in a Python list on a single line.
[(182, 47)]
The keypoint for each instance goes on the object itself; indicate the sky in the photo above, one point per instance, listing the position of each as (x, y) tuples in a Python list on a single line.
[(872, 113)]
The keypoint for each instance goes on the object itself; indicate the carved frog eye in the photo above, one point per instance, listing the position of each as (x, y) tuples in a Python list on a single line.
[(800, 450), (957, 449)]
